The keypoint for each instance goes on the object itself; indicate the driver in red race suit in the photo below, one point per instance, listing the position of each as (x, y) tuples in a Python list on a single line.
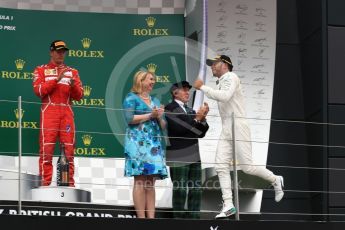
[(57, 85)]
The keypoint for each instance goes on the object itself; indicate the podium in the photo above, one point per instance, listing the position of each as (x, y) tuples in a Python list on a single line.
[(9, 184), (60, 194), (212, 197)]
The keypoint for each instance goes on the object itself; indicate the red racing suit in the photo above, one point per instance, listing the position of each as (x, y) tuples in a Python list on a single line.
[(57, 118)]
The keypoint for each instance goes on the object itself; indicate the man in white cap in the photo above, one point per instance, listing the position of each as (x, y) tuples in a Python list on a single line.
[(231, 100)]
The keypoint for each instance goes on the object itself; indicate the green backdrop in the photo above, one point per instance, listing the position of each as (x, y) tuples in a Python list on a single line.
[(107, 49)]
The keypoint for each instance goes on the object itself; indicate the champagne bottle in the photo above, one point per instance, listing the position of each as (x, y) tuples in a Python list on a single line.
[(62, 168)]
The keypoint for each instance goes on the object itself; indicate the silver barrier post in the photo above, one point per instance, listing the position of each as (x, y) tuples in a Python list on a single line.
[(19, 153), (234, 164)]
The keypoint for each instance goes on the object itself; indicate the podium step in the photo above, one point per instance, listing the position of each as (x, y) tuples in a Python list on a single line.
[(60, 194), (9, 184)]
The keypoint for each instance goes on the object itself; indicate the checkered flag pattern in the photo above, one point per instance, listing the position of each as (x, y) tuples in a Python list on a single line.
[(101, 6), (103, 177)]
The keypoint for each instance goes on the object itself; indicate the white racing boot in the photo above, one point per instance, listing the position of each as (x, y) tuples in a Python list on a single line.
[(227, 210), (278, 186)]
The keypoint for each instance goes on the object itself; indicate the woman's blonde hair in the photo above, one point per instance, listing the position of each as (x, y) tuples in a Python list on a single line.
[(138, 79)]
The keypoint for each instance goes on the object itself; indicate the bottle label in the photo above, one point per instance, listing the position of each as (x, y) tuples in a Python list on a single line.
[(62, 176), (64, 179)]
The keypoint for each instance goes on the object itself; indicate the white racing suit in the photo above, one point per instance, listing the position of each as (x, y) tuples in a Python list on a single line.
[(230, 99)]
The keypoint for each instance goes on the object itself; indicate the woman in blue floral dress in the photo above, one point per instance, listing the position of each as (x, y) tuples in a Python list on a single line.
[(144, 146)]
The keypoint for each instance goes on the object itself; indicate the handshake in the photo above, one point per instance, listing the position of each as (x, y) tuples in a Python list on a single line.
[(202, 112)]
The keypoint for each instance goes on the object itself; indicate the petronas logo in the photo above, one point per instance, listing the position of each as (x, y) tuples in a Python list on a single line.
[(232, 162), (16, 112), (150, 21), (87, 90), (151, 68), (87, 139), (19, 64), (86, 42)]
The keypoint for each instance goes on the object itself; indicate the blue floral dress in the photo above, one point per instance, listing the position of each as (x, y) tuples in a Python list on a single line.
[(144, 146)]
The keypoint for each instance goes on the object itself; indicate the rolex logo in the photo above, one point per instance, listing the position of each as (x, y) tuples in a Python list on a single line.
[(151, 68), (86, 42), (19, 64), (87, 90), (87, 140), (150, 30), (150, 21), (16, 112), (83, 53)]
